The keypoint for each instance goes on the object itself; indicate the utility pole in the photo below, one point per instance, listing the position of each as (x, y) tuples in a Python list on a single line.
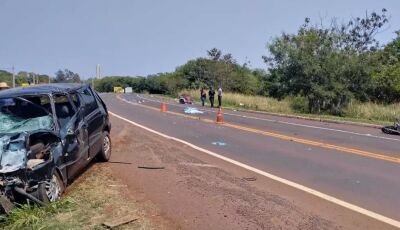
[(13, 75), (97, 71)]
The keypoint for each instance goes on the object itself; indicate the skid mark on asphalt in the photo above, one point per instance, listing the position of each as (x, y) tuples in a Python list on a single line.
[(342, 149), (287, 123), (303, 188)]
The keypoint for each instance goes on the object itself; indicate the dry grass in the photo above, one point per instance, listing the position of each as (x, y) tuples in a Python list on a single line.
[(87, 204), (373, 112)]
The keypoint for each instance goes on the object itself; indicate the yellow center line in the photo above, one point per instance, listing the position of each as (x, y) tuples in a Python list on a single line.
[(359, 152)]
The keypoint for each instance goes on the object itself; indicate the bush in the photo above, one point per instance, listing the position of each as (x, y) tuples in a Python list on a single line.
[(299, 104)]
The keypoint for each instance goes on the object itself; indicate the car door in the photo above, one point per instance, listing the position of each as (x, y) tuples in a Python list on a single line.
[(95, 121), (73, 131)]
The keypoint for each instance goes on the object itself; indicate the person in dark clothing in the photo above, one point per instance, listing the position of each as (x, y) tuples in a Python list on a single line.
[(203, 96), (211, 95)]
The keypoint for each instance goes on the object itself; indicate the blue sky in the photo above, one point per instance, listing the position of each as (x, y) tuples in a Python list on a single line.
[(130, 37)]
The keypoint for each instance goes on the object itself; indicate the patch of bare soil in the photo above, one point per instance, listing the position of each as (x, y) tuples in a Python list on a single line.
[(96, 197), (193, 194)]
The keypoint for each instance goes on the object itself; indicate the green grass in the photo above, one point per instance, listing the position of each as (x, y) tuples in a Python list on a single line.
[(30, 216), (88, 202), (357, 112)]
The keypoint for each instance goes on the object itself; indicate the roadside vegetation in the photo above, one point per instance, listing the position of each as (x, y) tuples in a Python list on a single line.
[(92, 199), (27, 78)]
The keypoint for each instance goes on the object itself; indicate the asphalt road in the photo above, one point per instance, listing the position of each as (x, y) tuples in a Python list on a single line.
[(359, 165)]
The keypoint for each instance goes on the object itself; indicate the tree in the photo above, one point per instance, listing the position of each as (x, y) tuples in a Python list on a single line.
[(386, 76), (66, 76), (214, 54), (327, 65)]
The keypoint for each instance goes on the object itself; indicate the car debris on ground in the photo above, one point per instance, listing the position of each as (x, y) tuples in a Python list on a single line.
[(218, 143), (120, 221), (151, 167)]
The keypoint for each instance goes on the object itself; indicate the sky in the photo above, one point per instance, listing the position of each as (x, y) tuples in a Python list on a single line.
[(132, 37)]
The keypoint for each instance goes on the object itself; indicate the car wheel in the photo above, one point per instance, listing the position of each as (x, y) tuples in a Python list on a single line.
[(53, 187), (41, 194), (105, 152)]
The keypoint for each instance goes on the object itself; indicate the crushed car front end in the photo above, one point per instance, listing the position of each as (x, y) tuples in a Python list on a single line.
[(29, 151)]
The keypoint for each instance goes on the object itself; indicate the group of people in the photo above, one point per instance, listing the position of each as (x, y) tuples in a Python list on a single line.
[(211, 95)]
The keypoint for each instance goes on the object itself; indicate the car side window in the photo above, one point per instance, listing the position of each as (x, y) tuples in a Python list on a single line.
[(89, 101), (75, 99), (64, 109)]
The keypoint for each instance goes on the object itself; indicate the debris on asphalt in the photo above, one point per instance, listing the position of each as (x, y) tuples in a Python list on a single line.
[(191, 110), (151, 167), (218, 143), (120, 221), (249, 178)]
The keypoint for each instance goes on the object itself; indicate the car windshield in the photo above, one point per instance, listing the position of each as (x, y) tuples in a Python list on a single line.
[(24, 114)]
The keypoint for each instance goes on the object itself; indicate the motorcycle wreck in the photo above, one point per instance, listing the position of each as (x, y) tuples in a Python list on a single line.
[(394, 129), (26, 164)]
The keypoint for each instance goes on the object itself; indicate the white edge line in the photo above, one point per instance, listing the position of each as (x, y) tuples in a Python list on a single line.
[(285, 122), (311, 191)]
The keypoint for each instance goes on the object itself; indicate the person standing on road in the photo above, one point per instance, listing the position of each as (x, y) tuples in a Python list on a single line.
[(219, 97), (203, 96), (211, 95)]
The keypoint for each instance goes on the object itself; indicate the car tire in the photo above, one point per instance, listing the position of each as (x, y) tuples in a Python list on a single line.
[(105, 152), (40, 193), (51, 190)]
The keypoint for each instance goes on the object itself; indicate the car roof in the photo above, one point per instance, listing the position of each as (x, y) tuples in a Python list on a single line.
[(42, 89)]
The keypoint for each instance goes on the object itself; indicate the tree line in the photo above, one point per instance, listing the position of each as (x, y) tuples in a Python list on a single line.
[(324, 67), (25, 77)]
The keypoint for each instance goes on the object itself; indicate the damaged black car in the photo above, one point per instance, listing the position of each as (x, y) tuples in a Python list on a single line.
[(48, 134)]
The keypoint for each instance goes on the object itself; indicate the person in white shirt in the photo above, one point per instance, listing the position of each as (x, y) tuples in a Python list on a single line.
[(219, 97)]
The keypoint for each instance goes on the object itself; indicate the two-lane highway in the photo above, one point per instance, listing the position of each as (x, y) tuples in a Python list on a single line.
[(358, 165)]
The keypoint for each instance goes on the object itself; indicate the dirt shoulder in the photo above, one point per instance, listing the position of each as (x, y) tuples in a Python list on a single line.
[(195, 191), (92, 199)]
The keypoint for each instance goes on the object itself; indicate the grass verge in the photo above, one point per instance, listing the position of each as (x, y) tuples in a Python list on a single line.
[(91, 200), (371, 113)]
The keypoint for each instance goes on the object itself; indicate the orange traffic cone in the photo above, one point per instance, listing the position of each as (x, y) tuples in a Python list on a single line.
[(163, 106), (220, 118)]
